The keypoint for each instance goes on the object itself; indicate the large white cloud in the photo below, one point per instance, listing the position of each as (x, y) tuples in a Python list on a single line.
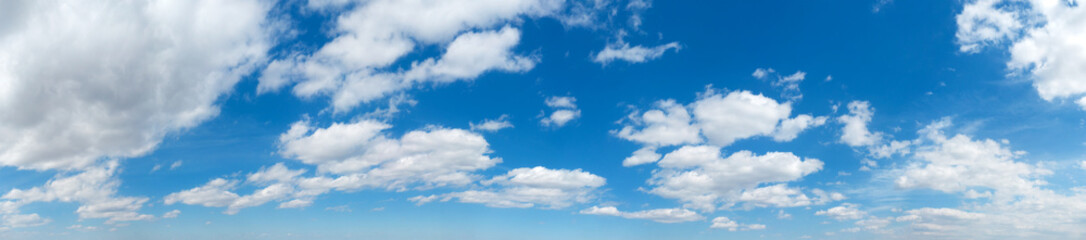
[(1046, 40), (700, 178), (351, 68), (715, 119), (80, 81), (1007, 196), (430, 157)]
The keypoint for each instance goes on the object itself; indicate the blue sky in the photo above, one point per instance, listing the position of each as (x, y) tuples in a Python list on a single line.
[(542, 119)]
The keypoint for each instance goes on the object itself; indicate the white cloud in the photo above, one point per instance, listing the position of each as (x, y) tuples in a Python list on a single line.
[(855, 132), (565, 111), (139, 71), (668, 124), (846, 211), (350, 157), (741, 114), (431, 157), (778, 195), (958, 163), (789, 84), (721, 120), (95, 189), (789, 129), (701, 179), (78, 227), (24, 220), (731, 225), (663, 215), (1045, 36), (492, 125), (762, 73), (175, 165), (528, 187), (635, 54), (172, 214), (641, 156), (352, 67), (1007, 194)]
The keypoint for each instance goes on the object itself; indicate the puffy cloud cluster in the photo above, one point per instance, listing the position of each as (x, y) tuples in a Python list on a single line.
[(83, 81), (353, 67), (352, 156), (528, 187), (700, 178), (715, 119), (95, 189), (355, 156), (1045, 39), (663, 215), (431, 157)]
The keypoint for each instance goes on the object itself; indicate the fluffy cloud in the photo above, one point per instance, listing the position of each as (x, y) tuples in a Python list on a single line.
[(1045, 36), (714, 118), (855, 132), (700, 178), (846, 211), (565, 110), (528, 187), (666, 125), (663, 215), (731, 225), (139, 71), (959, 163), (635, 54), (95, 189), (738, 115), (352, 68), (492, 125), (430, 157), (1009, 198), (349, 157)]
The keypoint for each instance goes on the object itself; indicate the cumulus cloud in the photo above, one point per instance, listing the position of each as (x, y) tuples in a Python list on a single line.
[(529, 187), (959, 163), (855, 132), (431, 157), (139, 71), (666, 125), (353, 67), (350, 157), (663, 215), (634, 54), (564, 111), (95, 189), (1008, 195), (492, 125), (1045, 40), (731, 225), (715, 119), (700, 178)]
